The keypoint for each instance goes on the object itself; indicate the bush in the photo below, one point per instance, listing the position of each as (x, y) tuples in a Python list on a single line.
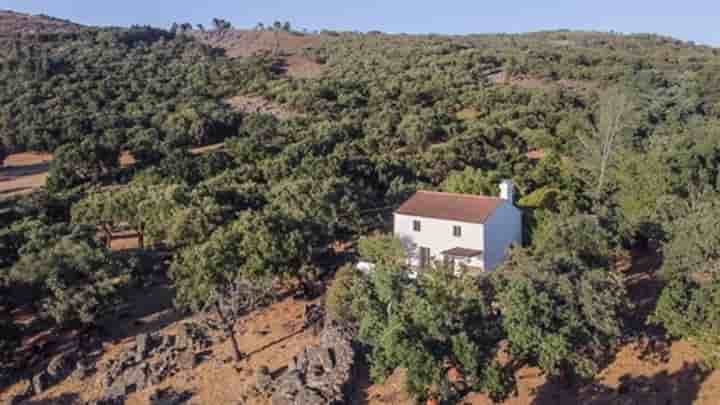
[(688, 309), (339, 295), (72, 276)]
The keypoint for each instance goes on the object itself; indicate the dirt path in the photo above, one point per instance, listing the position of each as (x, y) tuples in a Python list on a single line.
[(25, 172)]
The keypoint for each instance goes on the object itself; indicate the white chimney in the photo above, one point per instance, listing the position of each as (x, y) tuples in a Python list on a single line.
[(506, 191)]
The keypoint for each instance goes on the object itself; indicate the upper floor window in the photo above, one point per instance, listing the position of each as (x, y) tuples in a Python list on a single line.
[(416, 226), (457, 231)]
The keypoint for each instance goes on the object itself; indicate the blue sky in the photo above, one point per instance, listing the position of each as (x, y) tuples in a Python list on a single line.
[(695, 20)]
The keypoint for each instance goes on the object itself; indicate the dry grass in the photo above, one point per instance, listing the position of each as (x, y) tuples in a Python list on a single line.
[(288, 47)]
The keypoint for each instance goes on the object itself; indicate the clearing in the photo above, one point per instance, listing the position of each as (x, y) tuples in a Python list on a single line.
[(23, 172), (290, 47)]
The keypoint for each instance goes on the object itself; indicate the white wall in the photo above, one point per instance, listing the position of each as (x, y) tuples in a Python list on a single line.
[(503, 228), (437, 234)]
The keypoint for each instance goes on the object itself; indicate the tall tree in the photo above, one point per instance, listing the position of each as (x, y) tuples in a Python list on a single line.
[(443, 322), (472, 181), (609, 132), (73, 278), (237, 262)]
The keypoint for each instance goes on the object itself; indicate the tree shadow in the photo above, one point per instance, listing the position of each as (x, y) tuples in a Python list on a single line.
[(273, 343), (64, 399), (170, 396), (279, 67), (679, 388), (147, 310), (356, 389), (14, 190), (10, 173), (644, 288)]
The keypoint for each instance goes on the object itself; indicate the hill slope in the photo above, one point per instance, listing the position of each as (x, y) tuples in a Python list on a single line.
[(375, 118), (13, 24)]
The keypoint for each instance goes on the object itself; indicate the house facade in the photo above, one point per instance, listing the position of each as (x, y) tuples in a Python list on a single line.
[(466, 231)]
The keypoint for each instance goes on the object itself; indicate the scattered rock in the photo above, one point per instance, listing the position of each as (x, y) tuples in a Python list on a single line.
[(263, 379), (142, 346), (187, 360), (183, 338), (153, 359)]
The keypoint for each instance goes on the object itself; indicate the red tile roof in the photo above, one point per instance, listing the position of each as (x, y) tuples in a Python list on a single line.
[(450, 206)]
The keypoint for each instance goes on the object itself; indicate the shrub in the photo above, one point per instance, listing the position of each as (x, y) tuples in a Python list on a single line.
[(339, 295)]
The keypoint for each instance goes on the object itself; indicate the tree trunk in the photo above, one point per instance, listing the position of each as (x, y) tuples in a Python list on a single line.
[(230, 333), (108, 235), (141, 236)]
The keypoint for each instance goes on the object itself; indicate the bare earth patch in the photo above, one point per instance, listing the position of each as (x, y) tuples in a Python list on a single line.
[(289, 47), (23, 172)]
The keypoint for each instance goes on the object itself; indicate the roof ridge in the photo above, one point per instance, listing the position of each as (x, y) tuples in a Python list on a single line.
[(464, 195)]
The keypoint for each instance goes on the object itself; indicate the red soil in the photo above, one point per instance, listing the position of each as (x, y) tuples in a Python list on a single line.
[(23, 172)]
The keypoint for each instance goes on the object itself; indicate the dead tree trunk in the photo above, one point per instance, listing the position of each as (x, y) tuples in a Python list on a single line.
[(230, 332)]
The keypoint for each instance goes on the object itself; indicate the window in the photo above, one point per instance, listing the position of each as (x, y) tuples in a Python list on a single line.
[(416, 226), (457, 231)]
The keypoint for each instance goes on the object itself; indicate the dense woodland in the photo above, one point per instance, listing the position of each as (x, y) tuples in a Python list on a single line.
[(629, 127)]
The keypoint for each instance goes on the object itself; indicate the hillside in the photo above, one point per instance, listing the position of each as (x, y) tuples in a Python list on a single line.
[(159, 186), (18, 24), (292, 49)]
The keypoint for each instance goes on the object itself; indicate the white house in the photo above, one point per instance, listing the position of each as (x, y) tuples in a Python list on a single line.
[(461, 229)]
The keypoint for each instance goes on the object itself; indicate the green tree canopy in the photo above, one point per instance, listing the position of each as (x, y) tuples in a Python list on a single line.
[(74, 165), (560, 316)]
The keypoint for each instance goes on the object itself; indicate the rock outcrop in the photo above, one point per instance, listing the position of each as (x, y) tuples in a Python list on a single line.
[(153, 359), (320, 375), (57, 369)]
